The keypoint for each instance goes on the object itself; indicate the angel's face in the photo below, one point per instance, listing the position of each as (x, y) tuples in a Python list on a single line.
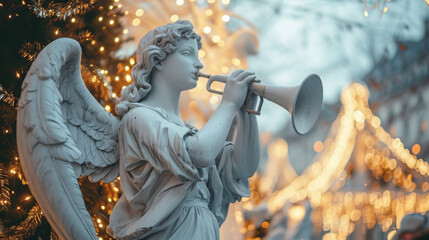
[(181, 66)]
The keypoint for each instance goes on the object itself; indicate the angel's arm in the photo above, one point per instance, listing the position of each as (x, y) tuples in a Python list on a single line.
[(246, 147), (205, 146)]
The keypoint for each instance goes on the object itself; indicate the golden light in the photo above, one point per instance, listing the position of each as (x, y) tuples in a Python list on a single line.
[(6, 131), (93, 42), (100, 19), (208, 12), (365, 13), (116, 39), (225, 18), (236, 61), (110, 7), (116, 0), (99, 220), (201, 53), (385, 9), (278, 149), (126, 13), (136, 22), (113, 95), (224, 69), (213, 100), (56, 32), (27, 198), (225, 2), (100, 238), (18, 75), (128, 78), (112, 22), (416, 149), (174, 18), (127, 68), (318, 146), (125, 31), (296, 213), (211, 1), (100, 225), (179, 2), (132, 61), (139, 12), (73, 20), (116, 189), (265, 224), (107, 107), (216, 38), (120, 6), (101, 49), (116, 78), (391, 234), (207, 29)]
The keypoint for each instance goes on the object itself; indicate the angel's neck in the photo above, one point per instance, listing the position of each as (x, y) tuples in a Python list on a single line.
[(164, 97)]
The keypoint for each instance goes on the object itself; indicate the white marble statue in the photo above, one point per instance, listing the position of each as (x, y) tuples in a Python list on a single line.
[(177, 182)]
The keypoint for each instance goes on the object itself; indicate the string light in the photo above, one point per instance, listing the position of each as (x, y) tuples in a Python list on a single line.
[(139, 12), (174, 18)]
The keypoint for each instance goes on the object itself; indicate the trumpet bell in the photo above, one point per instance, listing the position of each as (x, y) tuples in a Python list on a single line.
[(303, 102)]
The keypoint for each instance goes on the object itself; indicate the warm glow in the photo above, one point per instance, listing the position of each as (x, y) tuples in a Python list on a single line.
[(116, 39), (224, 69), (107, 107), (127, 68), (236, 61), (174, 18), (179, 2), (416, 149), (365, 13), (139, 12), (101, 49), (296, 213), (128, 78), (136, 22), (211, 1), (318, 146), (132, 61), (73, 20), (208, 12), (112, 22), (216, 38), (125, 31), (207, 29), (225, 2), (225, 18), (201, 53), (100, 19)]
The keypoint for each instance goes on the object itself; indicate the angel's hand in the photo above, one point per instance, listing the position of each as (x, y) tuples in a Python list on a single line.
[(236, 87)]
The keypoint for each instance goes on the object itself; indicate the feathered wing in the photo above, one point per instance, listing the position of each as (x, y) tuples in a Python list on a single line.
[(63, 133)]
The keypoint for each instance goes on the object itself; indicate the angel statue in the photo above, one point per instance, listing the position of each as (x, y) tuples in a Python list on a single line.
[(177, 182)]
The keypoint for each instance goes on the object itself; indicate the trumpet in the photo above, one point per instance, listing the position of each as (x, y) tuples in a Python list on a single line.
[(303, 102)]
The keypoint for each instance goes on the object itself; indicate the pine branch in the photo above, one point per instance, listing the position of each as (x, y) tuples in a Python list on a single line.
[(26, 228), (4, 189), (61, 10), (8, 98), (31, 50)]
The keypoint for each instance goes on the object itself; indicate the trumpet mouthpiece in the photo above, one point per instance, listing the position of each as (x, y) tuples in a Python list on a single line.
[(200, 74)]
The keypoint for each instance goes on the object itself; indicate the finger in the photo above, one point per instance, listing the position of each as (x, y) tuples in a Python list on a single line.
[(236, 72), (249, 79), (244, 75)]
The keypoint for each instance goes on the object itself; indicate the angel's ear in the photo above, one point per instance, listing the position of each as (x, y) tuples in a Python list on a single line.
[(158, 66)]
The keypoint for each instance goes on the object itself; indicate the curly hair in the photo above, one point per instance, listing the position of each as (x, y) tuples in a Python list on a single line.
[(153, 48)]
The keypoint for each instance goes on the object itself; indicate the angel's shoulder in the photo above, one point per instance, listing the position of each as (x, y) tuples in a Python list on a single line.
[(143, 115)]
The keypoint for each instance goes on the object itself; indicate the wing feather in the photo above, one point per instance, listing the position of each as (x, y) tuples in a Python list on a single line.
[(62, 132)]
